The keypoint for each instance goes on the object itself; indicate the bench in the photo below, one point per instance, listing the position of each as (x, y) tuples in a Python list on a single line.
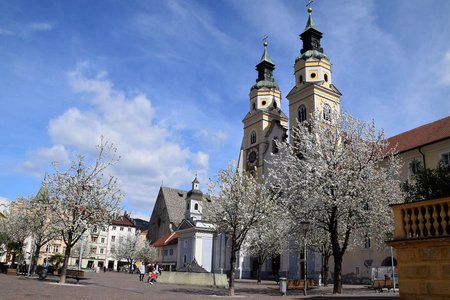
[(76, 274), (380, 284), (300, 284)]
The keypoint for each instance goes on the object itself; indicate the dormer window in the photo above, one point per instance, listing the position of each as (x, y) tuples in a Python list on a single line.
[(253, 137)]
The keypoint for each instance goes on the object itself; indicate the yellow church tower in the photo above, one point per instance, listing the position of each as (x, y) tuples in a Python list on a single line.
[(313, 90), (265, 122)]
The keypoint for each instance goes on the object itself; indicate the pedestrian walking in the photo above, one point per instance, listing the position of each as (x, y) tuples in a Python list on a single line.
[(141, 272), (152, 277)]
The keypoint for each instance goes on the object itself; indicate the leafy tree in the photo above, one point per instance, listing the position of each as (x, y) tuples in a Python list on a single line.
[(239, 202), (83, 198), (56, 259), (428, 184), (340, 177)]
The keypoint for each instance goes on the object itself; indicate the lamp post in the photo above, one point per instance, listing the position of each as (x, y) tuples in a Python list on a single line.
[(305, 228)]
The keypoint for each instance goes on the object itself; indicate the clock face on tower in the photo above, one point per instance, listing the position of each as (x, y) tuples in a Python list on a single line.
[(252, 157)]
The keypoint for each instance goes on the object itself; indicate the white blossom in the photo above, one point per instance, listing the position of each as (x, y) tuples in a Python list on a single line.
[(340, 177), (83, 197)]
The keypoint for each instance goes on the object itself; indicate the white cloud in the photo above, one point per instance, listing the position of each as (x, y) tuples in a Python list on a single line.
[(149, 152), (37, 160), (40, 26), (6, 32)]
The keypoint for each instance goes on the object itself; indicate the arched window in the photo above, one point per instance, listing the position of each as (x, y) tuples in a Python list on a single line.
[(300, 79), (254, 106), (301, 113), (196, 206), (326, 112), (253, 137), (274, 145)]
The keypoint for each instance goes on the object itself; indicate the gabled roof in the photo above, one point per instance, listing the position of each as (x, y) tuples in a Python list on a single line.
[(175, 204), (422, 135), (124, 220), (167, 239)]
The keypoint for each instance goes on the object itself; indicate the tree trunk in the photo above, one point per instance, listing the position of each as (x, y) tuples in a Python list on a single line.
[(232, 272), (258, 273), (62, 278), (37, 250), (326, 269), (337, 283)]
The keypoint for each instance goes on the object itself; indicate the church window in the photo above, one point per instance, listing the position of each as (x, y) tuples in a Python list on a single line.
[(159, 221), (325, 77), (187, 206), (446, 159), (253, 137), (264, 103), (196, 206), (300, 79), (301, 113), (367, 242), (313, 75), (274, 145), (326, 112), (275, 105), (254, 105)]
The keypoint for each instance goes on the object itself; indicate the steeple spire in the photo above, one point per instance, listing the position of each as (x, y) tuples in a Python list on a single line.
[(265, 69), (311, 37)]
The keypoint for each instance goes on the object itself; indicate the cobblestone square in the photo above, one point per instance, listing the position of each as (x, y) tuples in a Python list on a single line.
[(115, 285)]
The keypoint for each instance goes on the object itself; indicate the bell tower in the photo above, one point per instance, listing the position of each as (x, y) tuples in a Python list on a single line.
[(264, 122), (313, 90)]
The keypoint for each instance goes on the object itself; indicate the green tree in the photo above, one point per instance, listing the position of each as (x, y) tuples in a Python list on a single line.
[(428, 184)]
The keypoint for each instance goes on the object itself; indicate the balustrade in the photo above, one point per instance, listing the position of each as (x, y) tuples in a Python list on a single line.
[(422, 219)]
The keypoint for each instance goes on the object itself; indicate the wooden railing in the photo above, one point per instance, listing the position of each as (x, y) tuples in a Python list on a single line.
[(422, 219)]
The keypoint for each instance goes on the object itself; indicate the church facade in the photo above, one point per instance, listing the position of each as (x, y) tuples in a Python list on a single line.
[(176, 225)]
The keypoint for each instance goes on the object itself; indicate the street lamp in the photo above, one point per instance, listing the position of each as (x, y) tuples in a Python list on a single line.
[(304, 226)]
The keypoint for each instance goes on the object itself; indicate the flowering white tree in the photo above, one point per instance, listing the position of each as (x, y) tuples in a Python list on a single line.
[(126, 249), (239, 202), (131, 248), (341, 177), (268, 239), (83, 198), (14, 228), (39, 220), (145, 252)]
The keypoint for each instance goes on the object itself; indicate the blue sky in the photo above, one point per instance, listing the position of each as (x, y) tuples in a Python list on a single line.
[(168, 81)]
